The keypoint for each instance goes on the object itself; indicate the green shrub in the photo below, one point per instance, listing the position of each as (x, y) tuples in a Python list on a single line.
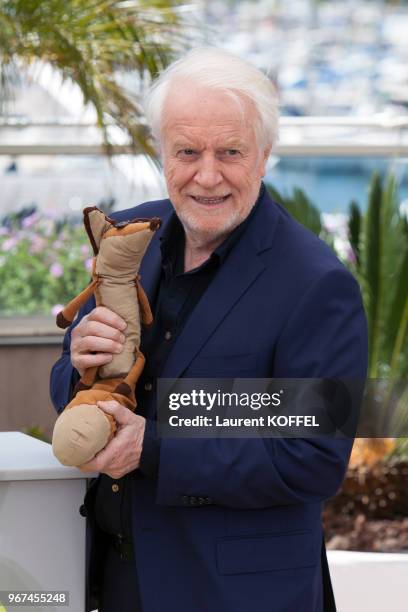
[(43, 264)]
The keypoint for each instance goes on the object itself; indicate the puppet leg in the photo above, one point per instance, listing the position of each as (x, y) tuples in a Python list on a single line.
[(87, 380), (125, 387)]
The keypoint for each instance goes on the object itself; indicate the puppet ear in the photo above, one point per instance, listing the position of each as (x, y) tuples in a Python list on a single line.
[(96, 224)]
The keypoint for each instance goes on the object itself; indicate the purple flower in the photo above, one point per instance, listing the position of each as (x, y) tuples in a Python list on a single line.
[(37, 245), (56, 309), (89, 263), (30, 220), (56, 270), (4, 231), (9, 244), (84, 250)]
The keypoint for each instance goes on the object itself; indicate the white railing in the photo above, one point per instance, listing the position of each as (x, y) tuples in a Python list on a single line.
[(377, 121), (379, 136)]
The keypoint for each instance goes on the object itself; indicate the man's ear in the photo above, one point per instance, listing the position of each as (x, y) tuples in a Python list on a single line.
[(265, 156), (96, 224)]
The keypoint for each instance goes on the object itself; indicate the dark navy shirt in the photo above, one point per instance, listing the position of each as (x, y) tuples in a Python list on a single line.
[(178, 293)]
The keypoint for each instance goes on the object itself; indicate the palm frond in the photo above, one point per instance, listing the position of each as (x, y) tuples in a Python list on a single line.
[(93, 43)]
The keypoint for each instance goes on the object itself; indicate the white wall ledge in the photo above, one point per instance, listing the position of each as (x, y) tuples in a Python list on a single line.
[(29, 329), (369, 581)]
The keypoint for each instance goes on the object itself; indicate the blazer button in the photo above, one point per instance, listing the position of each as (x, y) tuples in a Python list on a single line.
[(168, 335), (82, 510), (148, 386)]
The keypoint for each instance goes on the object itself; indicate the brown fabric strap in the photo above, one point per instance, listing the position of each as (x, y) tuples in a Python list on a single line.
[(145, 310)]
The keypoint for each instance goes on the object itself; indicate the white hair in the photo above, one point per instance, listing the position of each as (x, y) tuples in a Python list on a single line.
[(218, 69)]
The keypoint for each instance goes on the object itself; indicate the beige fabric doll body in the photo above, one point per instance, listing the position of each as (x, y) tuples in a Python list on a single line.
[(83, 429)]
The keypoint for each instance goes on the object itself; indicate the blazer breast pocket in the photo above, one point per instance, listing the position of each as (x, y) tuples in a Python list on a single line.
[(267, 552), (223, 366)]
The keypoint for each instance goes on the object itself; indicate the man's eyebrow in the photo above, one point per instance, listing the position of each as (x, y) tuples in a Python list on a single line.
[(182, 142), (233, 143)]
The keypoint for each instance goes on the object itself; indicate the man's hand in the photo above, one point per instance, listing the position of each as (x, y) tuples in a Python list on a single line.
[(96, 338), (122, 454)]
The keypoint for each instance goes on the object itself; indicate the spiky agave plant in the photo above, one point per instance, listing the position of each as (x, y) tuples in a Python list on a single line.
[(91, 43), (380, 242), (384, 272), (300, 207)]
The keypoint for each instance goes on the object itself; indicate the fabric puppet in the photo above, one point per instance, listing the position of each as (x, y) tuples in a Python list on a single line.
[(83, 429)]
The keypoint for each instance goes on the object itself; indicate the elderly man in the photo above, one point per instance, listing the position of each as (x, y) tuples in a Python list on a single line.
[(238, 289)]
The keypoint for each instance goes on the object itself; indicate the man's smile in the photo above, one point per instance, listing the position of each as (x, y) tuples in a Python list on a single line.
[(213, 201)]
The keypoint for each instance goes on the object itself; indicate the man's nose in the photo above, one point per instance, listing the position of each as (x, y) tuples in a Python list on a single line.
[(208, 173)]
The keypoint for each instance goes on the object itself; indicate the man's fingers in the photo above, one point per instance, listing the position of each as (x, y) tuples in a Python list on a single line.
[(118, 411), (96, 328), (122, 453), (96, 339), (104, 459), (107, 316), (86, 468), (90, 466), (96, 344), (84, 362), (97, 464), (110, 406)]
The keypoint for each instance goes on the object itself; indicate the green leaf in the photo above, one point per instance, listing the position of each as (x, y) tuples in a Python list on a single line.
[(354, 229), (371, 254), (300, 207)]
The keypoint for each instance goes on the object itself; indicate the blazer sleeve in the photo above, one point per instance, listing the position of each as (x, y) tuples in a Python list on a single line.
[(63, 375), (325, 336)]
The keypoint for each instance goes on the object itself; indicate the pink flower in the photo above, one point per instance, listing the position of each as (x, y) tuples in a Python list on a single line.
[(56, 309), (9, 244), (84, 250), (56, 270), (37, 245), (30, 221), (89, 263)]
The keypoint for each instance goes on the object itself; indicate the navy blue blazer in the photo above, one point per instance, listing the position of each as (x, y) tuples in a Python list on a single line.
[(281, 305)]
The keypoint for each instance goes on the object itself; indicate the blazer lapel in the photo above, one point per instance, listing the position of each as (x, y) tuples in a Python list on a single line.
[(150, 268), (226, 288)]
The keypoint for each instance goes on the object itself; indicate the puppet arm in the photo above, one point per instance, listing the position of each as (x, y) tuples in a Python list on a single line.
[(66, 316), (146, 316)]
